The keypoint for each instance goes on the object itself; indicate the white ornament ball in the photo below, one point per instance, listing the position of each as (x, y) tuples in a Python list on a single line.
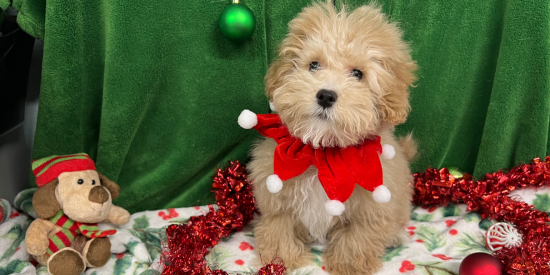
[(247, 119), (334, 207), (388, 151), (502, 235), (381, 194), (274, 183)]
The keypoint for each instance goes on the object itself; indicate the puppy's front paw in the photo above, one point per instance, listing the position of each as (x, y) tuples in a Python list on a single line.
[(348, 265), (276, 237), (292, 257)]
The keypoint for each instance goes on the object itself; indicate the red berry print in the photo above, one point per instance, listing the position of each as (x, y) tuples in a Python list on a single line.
[(323, 268), (450, 223), (453, 232), (171, 214), (411, 233), (196, 207), (119, 256), (14, 214), (419, 241), (239, 262), (411, 227), (441, 256), (245, 246), (406, 266)]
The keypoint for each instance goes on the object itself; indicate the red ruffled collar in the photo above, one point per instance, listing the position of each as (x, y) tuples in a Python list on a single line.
[(339, 169)]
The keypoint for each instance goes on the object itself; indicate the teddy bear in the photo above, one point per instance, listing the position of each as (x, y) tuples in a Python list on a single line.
[(72, 197)]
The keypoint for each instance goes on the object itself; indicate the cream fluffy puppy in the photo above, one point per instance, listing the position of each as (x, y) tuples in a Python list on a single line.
[(341, 77)]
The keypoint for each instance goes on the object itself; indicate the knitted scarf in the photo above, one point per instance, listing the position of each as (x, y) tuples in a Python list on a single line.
[(70, 229)]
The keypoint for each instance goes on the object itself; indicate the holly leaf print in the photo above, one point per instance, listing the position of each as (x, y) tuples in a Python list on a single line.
[(392, 252), (179, 220), (433, 268), (131, 245), (16, 266), (485, 224), (450, 210), (122, 264), (542, 202), (421, 217), (14, 232), (471, 243), (430, 236), (141, 222), (217, 258), (303, 272)]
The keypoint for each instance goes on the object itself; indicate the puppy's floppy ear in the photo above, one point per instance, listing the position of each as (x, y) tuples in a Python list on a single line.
[(44, 201), (276, 71), (394, 105), (113, 188)]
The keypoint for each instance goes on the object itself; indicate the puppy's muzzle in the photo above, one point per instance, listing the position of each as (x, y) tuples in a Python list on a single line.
[(326, 98), (98, 194)]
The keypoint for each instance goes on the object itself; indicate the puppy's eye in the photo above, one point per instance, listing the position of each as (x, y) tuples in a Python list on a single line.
[(80, 181), (93, 182), (314, 66), (357, 74)]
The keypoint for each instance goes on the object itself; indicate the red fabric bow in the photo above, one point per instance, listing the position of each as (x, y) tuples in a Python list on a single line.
[(339, 168)]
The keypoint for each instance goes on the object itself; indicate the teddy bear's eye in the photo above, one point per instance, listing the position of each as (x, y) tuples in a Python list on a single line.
[(80, 181), (314, 66), (357, 74), (93, 182)]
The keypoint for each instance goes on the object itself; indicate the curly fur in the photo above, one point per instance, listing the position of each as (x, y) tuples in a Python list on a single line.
[(339, 41)]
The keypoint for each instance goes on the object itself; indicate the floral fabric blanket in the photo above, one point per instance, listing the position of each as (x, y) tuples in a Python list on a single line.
[(440, 237)]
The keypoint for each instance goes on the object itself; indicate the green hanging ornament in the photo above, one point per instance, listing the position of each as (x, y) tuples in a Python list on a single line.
[(237, 22)]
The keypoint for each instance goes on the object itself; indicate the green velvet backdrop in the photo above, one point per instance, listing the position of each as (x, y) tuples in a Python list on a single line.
[(152, 91)]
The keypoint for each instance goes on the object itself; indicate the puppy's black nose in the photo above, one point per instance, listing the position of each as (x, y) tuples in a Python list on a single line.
[(326, 98)]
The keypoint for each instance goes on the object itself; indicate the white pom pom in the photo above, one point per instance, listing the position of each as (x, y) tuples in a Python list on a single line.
[(272, 107), (334, 207), (247, 119), (381, 194), (274, 184), (388, 152)]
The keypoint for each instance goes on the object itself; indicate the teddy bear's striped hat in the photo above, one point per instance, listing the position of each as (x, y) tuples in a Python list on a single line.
[(48, 168)]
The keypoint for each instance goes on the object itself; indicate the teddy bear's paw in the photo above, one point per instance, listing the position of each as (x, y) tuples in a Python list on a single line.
[(66, 262), (97, 252)]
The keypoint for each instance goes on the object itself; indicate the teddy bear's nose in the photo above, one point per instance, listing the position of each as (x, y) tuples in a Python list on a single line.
[(98, 194)]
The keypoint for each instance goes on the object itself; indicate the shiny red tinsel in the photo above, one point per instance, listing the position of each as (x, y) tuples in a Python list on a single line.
[(489, 197), (187, 244)]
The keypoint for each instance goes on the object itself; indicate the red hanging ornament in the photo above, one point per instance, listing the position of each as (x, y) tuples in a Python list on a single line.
[(480, 264)]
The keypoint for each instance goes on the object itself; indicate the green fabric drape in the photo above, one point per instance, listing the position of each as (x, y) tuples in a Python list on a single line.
[(152, 92)]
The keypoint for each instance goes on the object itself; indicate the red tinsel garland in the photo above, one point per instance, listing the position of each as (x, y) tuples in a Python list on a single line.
[(187, 244), (489, 197)]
